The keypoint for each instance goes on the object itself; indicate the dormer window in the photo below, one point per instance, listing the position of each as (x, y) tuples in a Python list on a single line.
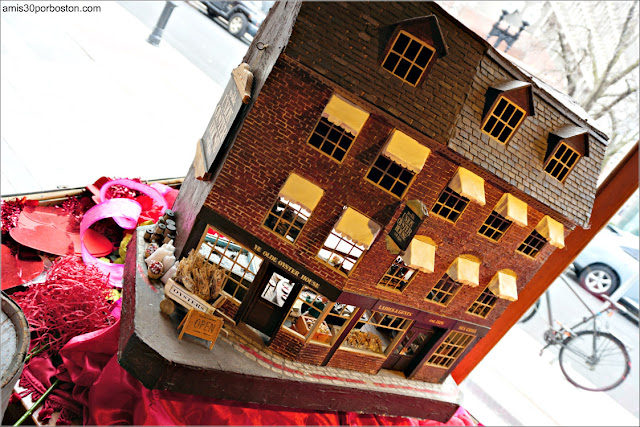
[(340, 123), (565, 146), (408, 58), (506, 107), (412, 47)]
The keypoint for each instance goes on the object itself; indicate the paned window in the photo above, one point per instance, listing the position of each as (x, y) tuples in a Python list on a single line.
[(408, 58), (561, 162), (241, 264), (450, 349), (375, 331), (450, 205), (444, 291), (286, 219), (495, 226), (397, 276), (503, 120), (340, 252), (307, 310), (338, 317), (390, 176), (532, 244), (331, 139), (483, 304)]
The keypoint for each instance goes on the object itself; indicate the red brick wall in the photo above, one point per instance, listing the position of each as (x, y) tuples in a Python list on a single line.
[(313, 353), (272, 144), (431, 374), (356, 361), (287, 343), (229, 308)]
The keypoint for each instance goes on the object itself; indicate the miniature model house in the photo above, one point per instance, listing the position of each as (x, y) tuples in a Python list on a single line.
[(391, 186)]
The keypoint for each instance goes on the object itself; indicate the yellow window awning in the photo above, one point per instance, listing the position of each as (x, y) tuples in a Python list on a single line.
[(421, 254), (357, 227), (503, 285), (551, 230), (469, 185), (512, 209), (406, 151), (466, 270), (343, 113), (298, 190)]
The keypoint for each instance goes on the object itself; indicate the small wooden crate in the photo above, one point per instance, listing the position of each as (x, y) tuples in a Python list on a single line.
[(303, 324)]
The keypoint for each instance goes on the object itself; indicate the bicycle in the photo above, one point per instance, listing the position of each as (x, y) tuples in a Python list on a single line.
[(590, 358)]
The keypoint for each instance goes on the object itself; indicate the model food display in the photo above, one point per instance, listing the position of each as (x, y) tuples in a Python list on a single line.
[(391, 163)]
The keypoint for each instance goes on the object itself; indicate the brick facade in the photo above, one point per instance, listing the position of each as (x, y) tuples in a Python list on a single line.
[(443, 113)]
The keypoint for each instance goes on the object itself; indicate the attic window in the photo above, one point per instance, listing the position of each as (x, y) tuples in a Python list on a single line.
[(408, 58), (560, 163), (502, 122)]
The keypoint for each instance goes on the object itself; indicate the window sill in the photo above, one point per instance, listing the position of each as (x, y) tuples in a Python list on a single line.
[(365, 352)]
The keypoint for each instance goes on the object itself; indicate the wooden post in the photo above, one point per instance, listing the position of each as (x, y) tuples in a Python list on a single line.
[(611, 195)]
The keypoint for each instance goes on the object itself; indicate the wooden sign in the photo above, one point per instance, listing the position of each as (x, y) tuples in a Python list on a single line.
[(237, 92), (407, 224), (186, 299), (201, 325)]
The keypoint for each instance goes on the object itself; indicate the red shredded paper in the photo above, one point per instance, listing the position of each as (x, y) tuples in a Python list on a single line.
[(72, 301), (11, 211)]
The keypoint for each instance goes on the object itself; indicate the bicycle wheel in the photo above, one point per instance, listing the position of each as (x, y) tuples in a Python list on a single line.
[(531, 311), (599, 370)]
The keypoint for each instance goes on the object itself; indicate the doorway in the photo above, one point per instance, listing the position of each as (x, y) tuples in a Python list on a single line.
[(275, 296), (412, 349)]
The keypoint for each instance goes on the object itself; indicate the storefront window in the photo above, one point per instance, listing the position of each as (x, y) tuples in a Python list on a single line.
[(376, 332), (241, 265), (308, 307), (338, 317)]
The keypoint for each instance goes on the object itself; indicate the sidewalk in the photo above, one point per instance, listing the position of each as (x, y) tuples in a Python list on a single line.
[(513, 385), (85, 95)]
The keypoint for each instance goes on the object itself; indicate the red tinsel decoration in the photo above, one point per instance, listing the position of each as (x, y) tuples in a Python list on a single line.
[(72, 301), (11, 210), (120, 191)]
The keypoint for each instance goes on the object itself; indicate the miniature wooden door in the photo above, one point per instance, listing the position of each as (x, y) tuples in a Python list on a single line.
[(412, 348), (275, 298)]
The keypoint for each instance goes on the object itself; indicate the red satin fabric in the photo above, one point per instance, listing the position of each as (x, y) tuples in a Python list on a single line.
[(112, 396)]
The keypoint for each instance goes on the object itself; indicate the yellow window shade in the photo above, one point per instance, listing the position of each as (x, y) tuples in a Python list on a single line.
[(551, 230), (406, 151), (357, 227), (503, 285), (341, 112), (298, 190), (421, 254), (466, 270), (469, 185), (512, 209)]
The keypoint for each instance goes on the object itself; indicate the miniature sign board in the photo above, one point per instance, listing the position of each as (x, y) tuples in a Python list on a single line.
[(201, 325), (236, 93), (177, 293), (407, 224)]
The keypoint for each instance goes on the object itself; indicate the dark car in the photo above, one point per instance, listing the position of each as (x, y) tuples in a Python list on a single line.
[(243, 17)]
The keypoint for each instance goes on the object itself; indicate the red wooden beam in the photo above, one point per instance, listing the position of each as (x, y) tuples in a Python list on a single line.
[(611, 195)]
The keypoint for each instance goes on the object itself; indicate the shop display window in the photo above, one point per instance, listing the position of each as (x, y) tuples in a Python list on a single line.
[(241, 264), (376, 332), (307, 316)]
